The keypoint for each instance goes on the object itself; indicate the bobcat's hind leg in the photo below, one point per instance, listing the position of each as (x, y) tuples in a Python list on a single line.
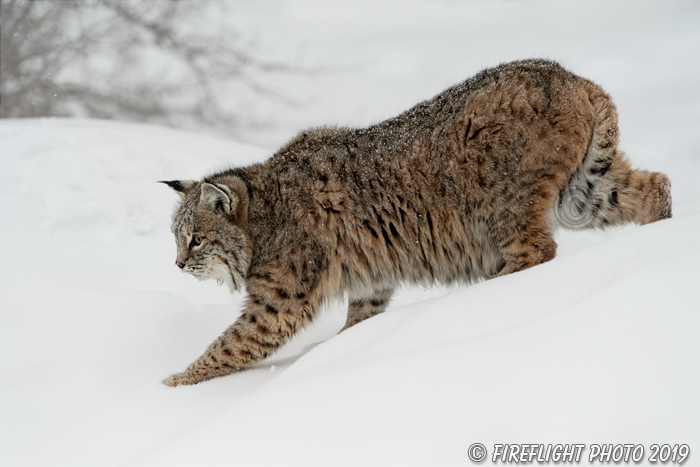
[(361, 308), (523, 244), (604, 190), (628, 195), (273, 314), (616, 196)]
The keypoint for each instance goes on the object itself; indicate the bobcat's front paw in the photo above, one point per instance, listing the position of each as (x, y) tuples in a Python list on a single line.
[(179, 379)]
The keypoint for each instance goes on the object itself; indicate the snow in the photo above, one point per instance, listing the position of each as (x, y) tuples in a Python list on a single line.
[(599, 345)]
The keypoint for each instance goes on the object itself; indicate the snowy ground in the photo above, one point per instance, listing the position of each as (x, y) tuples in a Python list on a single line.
[(598, 346)]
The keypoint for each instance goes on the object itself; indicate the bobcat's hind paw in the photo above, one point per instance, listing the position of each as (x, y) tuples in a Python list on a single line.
[(180, 379), (665, 203)]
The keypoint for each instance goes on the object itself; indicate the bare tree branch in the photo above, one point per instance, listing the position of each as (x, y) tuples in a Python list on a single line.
[(124, 59)]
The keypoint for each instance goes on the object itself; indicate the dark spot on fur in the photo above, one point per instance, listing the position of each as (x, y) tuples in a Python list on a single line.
[(372, 231), (380, 219), (226, 351), (612, 199), (386, 238), (430, 223), (260, 343), (600, 171), (376, 303), (476, 133), (271, 309), (282, 293), (264, 277), (393, 230)]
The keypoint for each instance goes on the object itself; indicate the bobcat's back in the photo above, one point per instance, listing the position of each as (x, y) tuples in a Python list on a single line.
[(417, 198)]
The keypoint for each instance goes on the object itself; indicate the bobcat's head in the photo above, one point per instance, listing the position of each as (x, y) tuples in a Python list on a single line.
[(210, 228)]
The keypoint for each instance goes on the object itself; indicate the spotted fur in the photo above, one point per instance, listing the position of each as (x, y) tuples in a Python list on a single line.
[(465, 186)]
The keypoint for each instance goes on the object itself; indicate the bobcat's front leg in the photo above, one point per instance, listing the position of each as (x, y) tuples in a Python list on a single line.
[(362, 307), (272, 315)]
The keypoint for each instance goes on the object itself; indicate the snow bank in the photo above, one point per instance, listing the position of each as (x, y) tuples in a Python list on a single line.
[(598, 345)]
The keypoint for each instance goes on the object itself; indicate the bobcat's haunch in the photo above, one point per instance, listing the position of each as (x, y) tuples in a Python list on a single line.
[(465, 186)]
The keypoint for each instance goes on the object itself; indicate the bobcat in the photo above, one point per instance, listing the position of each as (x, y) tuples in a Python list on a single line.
[(465, 186)]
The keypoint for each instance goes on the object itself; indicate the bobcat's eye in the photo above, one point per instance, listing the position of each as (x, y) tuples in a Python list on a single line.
[(196, 240)]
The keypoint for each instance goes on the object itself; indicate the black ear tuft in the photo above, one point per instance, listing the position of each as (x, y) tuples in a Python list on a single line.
[(181, 186), (175, 185)]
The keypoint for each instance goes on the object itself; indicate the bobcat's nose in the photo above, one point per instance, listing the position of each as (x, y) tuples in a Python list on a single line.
[(179, 264)]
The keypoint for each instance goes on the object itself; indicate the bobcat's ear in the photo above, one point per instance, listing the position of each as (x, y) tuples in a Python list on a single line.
[(182, 187), (218, 195)]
